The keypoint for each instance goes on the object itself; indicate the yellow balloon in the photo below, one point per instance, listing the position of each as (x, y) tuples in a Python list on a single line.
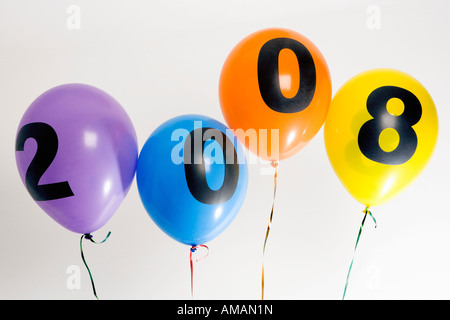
[(380, 133)]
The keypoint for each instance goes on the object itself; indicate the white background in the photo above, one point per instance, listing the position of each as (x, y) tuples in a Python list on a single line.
[(160, 59)]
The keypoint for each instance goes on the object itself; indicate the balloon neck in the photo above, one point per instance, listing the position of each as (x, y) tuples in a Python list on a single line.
[(88, 236)]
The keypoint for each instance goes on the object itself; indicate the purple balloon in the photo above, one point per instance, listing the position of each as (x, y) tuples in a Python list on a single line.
[(76, 151)]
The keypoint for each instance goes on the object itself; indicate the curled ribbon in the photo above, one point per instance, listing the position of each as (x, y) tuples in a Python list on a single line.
[(275, 165), (88, 236), (191, 262), (366, 212)]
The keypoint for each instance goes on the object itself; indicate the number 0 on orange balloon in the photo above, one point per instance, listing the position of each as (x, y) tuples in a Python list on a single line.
[(275, 91)]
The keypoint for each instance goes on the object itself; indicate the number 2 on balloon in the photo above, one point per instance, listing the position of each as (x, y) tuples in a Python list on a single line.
[(47, 141)]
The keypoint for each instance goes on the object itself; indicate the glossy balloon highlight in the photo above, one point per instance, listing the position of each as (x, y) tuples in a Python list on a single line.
[(76, 152), (380, 133), (192, 178), (275, 86)]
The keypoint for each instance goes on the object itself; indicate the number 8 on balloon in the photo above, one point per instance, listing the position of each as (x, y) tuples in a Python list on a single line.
[(380, 133)]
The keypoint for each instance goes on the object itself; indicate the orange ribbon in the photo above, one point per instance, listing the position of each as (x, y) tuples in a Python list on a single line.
[(275, 165)]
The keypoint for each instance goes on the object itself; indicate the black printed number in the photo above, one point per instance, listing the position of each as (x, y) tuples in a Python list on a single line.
[(268, 76), (47, 141), (194, 166), (368, 137)]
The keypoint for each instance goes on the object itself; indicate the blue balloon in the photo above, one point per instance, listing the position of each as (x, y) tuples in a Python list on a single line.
[(192, 178)]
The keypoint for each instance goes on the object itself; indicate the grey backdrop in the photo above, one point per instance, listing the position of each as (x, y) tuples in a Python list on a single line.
[(160, 59)]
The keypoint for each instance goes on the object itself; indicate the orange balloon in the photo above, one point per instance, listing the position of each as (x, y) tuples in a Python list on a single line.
[(275, 91)]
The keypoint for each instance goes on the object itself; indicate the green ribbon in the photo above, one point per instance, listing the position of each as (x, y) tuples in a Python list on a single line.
[(366, 212), (88, 236)]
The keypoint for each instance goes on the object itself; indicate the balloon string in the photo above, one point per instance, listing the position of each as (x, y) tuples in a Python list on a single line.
[(191, 261), (366, 212), (275, 165), (89, 237)]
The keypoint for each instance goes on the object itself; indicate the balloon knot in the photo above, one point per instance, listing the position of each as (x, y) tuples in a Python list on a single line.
[(88, 236), (193, 248), (274, 163)]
